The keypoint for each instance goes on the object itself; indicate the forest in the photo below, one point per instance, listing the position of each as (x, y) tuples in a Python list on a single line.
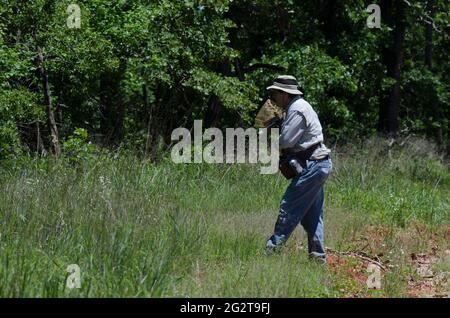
[(124, 74)]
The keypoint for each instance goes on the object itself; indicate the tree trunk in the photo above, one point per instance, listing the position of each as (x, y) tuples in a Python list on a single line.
[(213, 112), (328, 16), (386, 57), (431, 9), (429, 36), (112, 108), (394, 98), (40, 149), (105, 106), (148, 142), (448, 138), (48, 104), (119, 130), (393, 59), (159, 115)]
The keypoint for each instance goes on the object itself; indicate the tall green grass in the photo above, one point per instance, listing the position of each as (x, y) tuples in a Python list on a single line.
[(138, 229)]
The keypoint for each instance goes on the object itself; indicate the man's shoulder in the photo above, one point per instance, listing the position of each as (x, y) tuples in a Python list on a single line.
[(300, 105)]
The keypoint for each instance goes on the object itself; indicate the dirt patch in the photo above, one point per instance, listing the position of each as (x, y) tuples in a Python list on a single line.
[(425, 281), (421, 252), (355, 273)]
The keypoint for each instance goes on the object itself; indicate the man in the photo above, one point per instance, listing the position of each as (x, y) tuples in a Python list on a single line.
[(301, 137)]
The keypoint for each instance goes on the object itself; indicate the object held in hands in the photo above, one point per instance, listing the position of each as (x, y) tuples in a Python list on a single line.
[(269, 116)]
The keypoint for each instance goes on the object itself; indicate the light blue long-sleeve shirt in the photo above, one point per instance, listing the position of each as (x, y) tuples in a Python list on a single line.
[(301, 129)]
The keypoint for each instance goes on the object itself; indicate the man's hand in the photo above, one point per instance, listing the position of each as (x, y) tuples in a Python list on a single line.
[(274, 122)]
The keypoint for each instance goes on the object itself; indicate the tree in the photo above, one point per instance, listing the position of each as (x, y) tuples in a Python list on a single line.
[(393, 13), (428, 57)]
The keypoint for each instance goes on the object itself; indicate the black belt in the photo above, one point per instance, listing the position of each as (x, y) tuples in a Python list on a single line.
[(304, 154), (301, 156)]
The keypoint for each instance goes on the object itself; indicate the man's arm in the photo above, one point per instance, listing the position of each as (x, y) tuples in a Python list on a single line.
[(291, 129)]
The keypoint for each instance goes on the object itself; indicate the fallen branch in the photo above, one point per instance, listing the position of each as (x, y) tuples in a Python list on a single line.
[(358, 255)]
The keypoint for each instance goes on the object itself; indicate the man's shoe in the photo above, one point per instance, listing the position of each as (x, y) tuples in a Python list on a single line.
[(319, 258), (274, 244)]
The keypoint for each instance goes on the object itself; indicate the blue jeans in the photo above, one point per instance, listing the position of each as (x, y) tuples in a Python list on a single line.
[(303, 202)]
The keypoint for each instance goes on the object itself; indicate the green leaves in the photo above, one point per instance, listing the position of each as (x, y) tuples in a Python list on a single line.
[(186, 51), (78, 147), (322, 78), (18, 108), (234, 94)]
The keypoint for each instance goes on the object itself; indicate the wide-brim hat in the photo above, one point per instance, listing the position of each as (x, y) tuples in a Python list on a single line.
[(286, 83)]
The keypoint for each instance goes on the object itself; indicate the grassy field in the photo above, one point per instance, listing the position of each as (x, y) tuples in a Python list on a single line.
[(138, 229)]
